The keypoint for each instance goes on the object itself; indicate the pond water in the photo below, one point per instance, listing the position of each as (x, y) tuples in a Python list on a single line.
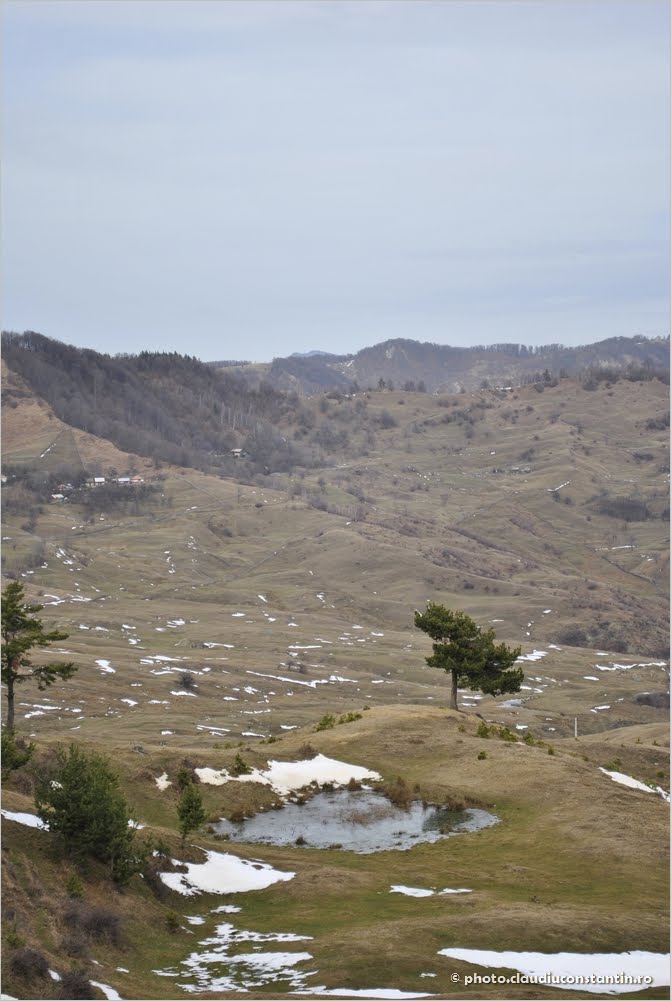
[(361, 821)]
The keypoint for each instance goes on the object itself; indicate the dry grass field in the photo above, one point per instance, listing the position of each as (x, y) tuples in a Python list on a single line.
[(228, 618)]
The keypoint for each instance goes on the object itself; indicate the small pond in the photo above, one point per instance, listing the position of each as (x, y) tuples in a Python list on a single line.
[(361, 821)]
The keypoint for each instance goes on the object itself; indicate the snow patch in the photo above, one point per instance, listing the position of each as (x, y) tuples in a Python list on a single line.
[(27, 819), (223, 873)]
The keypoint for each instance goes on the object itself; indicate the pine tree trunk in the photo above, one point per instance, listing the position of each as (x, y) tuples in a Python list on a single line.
[(453, 691), (10, 704)]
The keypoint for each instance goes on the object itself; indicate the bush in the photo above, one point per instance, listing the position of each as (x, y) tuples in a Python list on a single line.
[(572, 635), (349, 717), (505, 733), (398, 793), (74, 886), (327, 722), (95, 922), (482, 755), (15, 752), (74, 946), (483, 731), (28, 964), (75, 986)]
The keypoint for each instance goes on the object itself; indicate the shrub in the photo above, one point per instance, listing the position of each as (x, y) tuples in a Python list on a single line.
[(12, 937), (572, 635), (482, 755), (97, 923), (483, 731), (349, 717), (327, 722), (398, 793), (15, 752), (74, 886), (74, 946), (184, 778), (240, 766), (505, 733), (28, 963), (172, 921), (76, 986)]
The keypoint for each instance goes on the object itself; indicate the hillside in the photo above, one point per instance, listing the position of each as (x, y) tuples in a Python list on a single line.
[(220, 610), (408, 364)]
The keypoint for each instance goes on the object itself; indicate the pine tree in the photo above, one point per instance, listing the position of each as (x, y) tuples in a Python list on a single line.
[(21, 631), (82, 805), (470, 655), (190, 810)]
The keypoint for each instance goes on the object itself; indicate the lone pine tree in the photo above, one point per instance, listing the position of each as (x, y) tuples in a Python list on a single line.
[(190, 810), (470, 655), (21, 632)]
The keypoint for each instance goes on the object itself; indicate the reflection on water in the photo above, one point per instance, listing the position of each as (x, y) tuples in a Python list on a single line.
[(362, 821)]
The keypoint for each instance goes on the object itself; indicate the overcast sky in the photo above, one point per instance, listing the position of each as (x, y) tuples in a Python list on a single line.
[(241, 180)]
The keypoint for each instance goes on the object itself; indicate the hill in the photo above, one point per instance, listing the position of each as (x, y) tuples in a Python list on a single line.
[(408, 365)]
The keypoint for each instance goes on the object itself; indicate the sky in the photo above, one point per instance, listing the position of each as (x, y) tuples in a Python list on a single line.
[(245, 180)]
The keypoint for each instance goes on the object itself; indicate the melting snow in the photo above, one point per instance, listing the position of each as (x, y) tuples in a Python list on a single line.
[(27, 819), (109, 992), (244, 970), (290, 681), (286, 776), (627, 780), (223, 874), (163, 781), (412, 891), (104, 666)]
